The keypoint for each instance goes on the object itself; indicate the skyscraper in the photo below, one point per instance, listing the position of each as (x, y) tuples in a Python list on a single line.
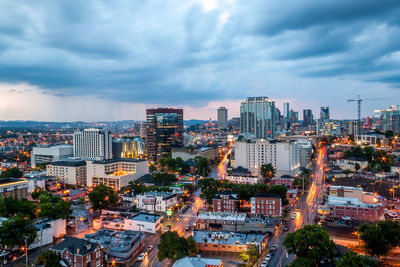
[(286, 110), (325, 113), (93, 144), (164, 130), (307, 117), (257, 117), (222, 117)]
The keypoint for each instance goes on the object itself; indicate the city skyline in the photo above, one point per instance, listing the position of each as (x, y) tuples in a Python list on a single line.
[(117, 60)]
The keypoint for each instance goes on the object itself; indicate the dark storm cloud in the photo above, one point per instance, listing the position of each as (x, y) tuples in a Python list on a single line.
[(186, 52)]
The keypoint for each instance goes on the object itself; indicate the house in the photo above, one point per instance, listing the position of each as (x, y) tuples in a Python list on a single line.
[(226, 201), (156, 201), (76, 252)]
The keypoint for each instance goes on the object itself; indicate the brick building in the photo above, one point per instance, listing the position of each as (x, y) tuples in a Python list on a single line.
[(225, 201), (285, 180), (267, 205), (76, 252)]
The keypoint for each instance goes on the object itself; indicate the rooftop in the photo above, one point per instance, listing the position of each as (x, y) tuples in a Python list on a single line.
[(228, 216), (196, 262), (146, 217), (12, 181), (74, 244), (67, 163), (351, 202), (229, 238), (108, 161)]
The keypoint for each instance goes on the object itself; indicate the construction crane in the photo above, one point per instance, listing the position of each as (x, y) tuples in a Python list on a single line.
[(359, 100)]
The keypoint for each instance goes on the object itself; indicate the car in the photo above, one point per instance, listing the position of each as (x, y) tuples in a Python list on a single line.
[(275, 247), (187, 227), (167, 228), (141, 256), (264, 264), (272, 252), (285, 229), (149, 248), (268, 257), (294, 215)]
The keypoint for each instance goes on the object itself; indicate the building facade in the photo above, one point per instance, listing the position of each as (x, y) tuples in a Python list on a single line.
[(116, 173), (257, 117), (341, 207), (324, 115), (252, 153), (129, 148), (329, 127), (93, 144), (13, 187), (267, 205), (164, 131), (156, 201), (45, 154), (308, 117), (68, 172), (226, 201), (222, 117)]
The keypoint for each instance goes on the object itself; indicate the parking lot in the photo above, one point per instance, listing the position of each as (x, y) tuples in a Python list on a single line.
[(229, 259)]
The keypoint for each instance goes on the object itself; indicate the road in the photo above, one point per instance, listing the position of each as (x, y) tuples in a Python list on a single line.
[(307, 204), (178, 224)]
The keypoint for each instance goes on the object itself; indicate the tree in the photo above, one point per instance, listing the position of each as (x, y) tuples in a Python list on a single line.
[(10, 206), (16, 231), (267, 171), (311, 241), (102, 197), (351, 259), (202, 166), (250, 255), (48, 259), (347, 172), (357, 166), (163, 179), (302, 262), (380, 238), (190, 188), (174, 247), (11, 173)]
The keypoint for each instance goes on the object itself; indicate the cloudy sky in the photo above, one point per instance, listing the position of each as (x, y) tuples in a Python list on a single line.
[(109, 60)]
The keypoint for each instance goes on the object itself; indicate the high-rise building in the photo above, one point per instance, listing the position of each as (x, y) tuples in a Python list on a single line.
[(324, 113), (293, 116), (307, 117), (257, 117), (391, 119), (93, 144), (164, 130), (46, 153), (286, 110), (253, 153), (329, 127), (222, 117), (128, 148)]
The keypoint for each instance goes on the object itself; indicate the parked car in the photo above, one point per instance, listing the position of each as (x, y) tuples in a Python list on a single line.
[(275, 247), (149, 248), (264, 264), (187, 227), (141, 256), (285, 228), (294, 215), (268, 257)]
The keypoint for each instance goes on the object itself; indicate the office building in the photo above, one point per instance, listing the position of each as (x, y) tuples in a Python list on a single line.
[(324, 115), (329, 127), (76, 252), (257, 117), (13, 187), (210, 153), (140, 128), (128, 148), (116, 173), (68, 172), (351, 127), (93, 144), (308, 117), (305, 152), (164, 131), (286, 110), (391, 119), (222, 117), (267, 205), (226, 201), (252, 153), (353, 208), (293, 116), (45, 154), (156, 201)]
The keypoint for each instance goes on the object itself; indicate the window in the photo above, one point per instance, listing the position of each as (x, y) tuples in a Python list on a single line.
[(88, 258), (98, 263), (98, 254)]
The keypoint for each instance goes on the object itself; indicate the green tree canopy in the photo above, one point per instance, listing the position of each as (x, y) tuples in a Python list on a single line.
[(267, 171), (250, 256), (11, 173), (48, 259), (163, 179), (202, 166), (302, 262), (174, 247), (351, 259), (311, 241), (15, 231), (10, 206), (102, 197)]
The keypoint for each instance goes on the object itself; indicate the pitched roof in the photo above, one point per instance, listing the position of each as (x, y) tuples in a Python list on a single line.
[(73, 244)]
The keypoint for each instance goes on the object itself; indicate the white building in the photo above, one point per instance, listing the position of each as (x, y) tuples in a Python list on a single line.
[(329, 127), (45, 154), (116, 173), (305, 152), (252, 153), (242, 176), (34, 182), (143, 222), (69, 172), (156, 201), (93, 144)]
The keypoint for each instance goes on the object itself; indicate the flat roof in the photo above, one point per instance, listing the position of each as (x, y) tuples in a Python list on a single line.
[(196, 262), (69, 163), (228, 238), (229, 216), (12, 181), (144, 217), (107, 161)]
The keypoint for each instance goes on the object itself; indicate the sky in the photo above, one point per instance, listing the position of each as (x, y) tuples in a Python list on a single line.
[(110, 60)]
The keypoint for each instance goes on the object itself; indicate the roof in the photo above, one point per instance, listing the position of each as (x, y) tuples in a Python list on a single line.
[(231, 195), (73, 244), (196, 262), (107, 161), (67, 163), (12, 181), (227, 216), (146, 217), (227, 238), (241, 171), (266, 195)]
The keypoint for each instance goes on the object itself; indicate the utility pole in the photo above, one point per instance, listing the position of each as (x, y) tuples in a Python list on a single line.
[(26, 251)]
